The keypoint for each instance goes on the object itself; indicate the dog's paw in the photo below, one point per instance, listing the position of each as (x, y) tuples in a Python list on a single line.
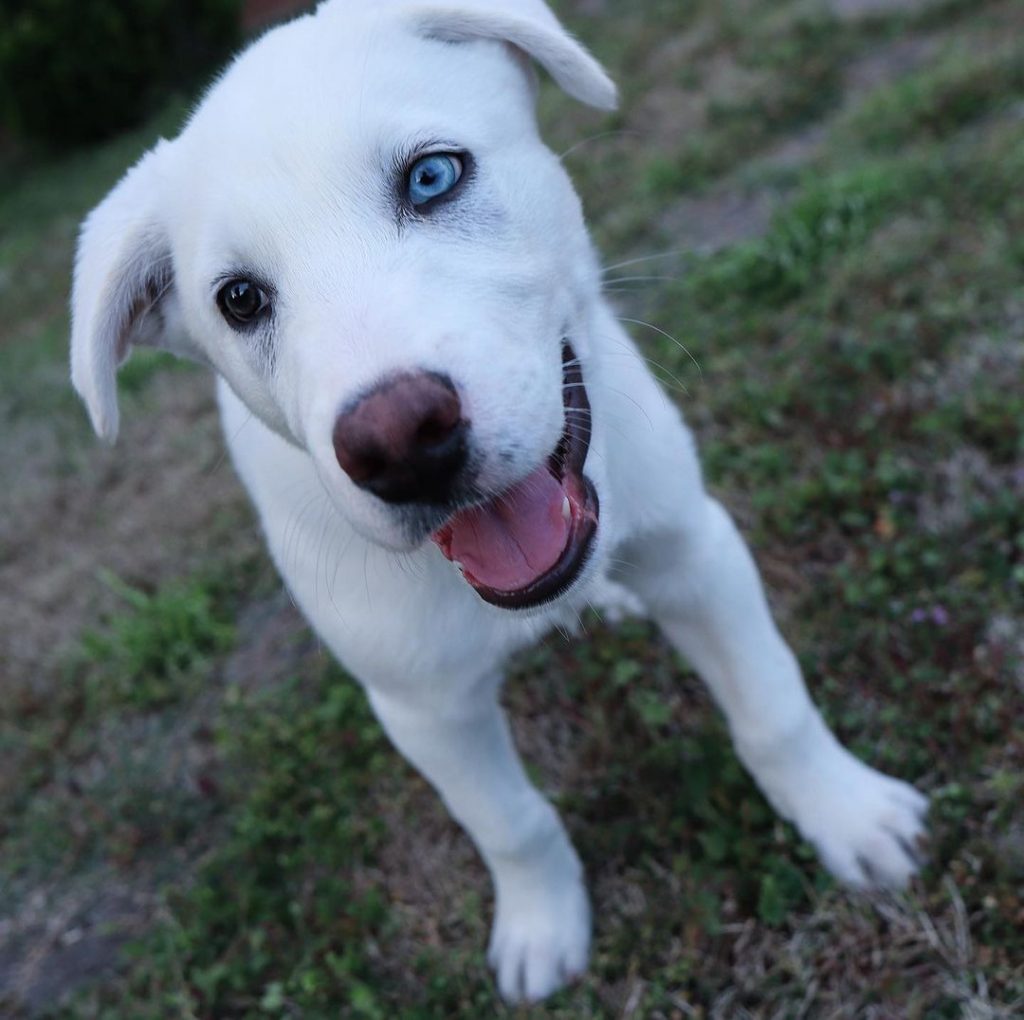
[(869, 834), (867, 827), (540, 940)]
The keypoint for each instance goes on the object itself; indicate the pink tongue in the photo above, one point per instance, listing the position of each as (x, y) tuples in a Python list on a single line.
[(508, 543)]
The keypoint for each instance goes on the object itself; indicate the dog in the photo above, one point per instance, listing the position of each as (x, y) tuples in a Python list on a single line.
[(360, 230)]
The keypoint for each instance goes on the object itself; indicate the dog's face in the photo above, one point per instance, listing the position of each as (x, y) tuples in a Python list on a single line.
[(361, 230)]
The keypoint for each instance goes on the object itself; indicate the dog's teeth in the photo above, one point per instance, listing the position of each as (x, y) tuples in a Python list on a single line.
[(566, 510), (458, 566)]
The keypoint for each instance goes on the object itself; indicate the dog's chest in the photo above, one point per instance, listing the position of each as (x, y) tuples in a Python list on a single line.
[(407, 622)]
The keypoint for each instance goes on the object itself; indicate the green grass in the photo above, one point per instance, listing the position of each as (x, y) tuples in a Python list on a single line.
[(164, 643), (273, 923), (128, 682), (963, 87), (858, 406), (827, 218)]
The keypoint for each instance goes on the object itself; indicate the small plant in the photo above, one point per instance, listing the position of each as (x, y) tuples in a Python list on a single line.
[(281, 919), (155, 653), (943, 98), (825, 220)]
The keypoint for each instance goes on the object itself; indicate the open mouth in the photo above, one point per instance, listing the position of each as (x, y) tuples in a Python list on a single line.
[(528, 545)]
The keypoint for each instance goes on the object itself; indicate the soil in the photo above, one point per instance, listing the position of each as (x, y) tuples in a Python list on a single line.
[(146, 523)]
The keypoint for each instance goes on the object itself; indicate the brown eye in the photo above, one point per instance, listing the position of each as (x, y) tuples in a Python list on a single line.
[(242, 302)]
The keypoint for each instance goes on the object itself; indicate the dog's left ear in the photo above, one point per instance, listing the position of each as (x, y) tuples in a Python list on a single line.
[(530, 26), (123, 294)]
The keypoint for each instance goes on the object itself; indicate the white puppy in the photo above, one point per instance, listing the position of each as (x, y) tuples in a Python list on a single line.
[(361, 231)]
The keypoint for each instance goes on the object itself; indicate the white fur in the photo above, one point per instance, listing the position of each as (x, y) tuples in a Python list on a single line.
[(287, 169)]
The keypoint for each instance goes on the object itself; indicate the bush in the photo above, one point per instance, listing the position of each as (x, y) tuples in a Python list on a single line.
[(73, 71)]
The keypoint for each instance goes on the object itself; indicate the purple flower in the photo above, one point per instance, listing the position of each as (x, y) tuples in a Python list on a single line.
[(939, 615)]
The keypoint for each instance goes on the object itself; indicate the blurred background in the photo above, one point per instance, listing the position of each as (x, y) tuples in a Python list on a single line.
[(822, 202)]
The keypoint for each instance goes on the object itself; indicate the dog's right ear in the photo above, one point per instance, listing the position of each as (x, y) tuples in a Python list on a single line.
[(123, 292), (531, 28)]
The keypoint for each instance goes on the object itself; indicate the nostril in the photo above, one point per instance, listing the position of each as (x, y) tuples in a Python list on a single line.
[(367, 466), (435, 430), (358, 453)]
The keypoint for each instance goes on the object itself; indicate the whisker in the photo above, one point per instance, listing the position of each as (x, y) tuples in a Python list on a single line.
[(223, 456), (338, 560), (644, 258), (636, 403), (638, 279), (319, 556), (616, 423), (679, 387), (668, 336), (582, 627), (595, 138), (623, 563), (628, 350), (293, 527), (366, 573)]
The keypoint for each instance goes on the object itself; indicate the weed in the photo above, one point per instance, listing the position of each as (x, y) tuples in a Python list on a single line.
[(827, 219), (277, 920), (937, 101), (156, 652)]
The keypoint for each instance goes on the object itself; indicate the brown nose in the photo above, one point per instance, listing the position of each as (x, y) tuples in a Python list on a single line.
[(405, 440)]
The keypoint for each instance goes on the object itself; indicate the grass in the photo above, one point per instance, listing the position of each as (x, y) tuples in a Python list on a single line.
[(858, 407), (269, 926), (962, 87), (150, 654)]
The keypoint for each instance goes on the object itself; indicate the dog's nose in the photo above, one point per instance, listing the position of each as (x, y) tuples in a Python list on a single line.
[(405, 440)]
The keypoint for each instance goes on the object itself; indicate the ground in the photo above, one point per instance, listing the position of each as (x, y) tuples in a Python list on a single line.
[(817, 208)]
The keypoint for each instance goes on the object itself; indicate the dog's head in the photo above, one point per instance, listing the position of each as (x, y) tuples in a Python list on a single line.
[(362, 231)]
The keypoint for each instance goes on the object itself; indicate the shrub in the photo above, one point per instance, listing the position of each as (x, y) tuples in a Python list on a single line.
[(73, 72)]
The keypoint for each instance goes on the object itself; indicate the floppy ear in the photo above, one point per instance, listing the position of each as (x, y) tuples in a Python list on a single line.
[(123, 292), (530, 26)]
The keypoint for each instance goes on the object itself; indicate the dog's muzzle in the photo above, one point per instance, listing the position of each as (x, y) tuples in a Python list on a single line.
[(528, 544)]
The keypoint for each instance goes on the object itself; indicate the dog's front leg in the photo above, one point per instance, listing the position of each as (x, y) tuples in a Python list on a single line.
[(682, 555), (541, 933), (703, 588)]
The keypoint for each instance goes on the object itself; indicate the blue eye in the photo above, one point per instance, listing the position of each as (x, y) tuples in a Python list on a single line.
[(433, 176)]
